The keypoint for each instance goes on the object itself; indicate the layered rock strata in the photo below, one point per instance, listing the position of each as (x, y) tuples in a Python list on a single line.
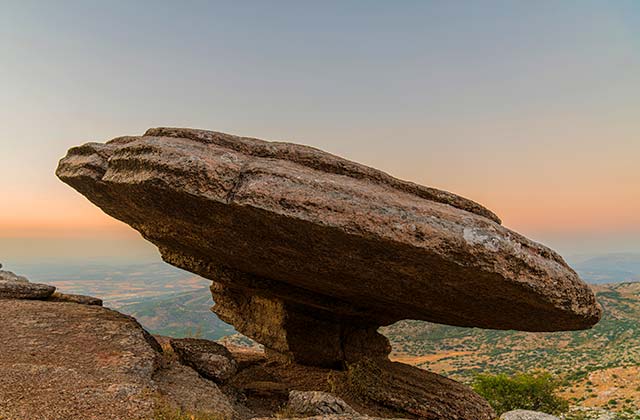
[(310, 253)]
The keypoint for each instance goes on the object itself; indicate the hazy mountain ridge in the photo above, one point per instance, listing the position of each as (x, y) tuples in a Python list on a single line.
[(609, 268)]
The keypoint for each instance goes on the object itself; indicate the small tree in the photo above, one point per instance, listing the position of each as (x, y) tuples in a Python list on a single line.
[(521, 391)]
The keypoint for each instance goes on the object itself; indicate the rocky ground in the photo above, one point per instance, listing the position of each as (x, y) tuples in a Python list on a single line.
[(64, 360), (66, 357)]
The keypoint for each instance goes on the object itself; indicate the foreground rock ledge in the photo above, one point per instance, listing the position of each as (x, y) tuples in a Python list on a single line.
[(63, 360)]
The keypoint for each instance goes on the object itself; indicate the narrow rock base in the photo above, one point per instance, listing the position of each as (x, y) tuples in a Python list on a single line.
[(293, 332)]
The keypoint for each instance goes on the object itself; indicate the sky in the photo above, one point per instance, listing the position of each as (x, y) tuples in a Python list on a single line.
[(530, 108)]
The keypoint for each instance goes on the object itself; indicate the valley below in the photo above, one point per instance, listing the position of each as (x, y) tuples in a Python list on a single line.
[(598, 368)]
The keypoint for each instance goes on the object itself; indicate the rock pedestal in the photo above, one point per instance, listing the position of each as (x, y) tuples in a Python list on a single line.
[(310, 253), (291, 331)]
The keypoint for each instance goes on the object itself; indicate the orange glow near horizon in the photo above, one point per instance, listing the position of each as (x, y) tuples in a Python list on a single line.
[(521, 211), (529, 110)]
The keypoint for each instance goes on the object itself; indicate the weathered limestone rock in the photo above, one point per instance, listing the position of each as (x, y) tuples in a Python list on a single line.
[(211, 360), (81, 299), (6, 276), (329, 417), (317, 403), (290, 231), (371, 387), (293, 331), (416, 392), (183, 388), (527, 415), (310, 253), (22, 290), (61, 361)]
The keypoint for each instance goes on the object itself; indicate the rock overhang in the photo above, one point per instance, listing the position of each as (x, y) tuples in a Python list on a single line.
[(317, 231)]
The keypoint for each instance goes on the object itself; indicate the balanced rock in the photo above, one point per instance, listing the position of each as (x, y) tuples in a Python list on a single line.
[(22, 290), (310, 253), (211, 360)]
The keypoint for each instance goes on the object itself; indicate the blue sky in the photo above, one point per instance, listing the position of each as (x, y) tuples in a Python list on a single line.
[(531, 108)]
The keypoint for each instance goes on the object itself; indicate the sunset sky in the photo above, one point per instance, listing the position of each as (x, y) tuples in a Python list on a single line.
[(530, 108)]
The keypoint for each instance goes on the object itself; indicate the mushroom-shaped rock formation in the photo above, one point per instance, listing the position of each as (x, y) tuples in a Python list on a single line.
[(310, 253)]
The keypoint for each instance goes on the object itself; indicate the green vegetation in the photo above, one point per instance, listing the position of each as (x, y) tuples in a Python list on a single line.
[(572, 356), (521, 391)]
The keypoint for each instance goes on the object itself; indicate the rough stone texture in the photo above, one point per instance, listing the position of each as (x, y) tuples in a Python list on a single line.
[(184, 388), (415, 392), (314, 403), (306, 248), (526, 415), (376, 388), (81, 299), (62, 360), (12, 277), (211, 360), (22, 290), (291, 331), (68, 361)]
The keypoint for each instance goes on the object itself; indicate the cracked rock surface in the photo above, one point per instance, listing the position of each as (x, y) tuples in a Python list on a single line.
[(288, 232), (208, 358), (65, 360), (310, 253)]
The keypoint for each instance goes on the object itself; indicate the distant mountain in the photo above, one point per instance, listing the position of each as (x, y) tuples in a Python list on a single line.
[(611, 268)]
